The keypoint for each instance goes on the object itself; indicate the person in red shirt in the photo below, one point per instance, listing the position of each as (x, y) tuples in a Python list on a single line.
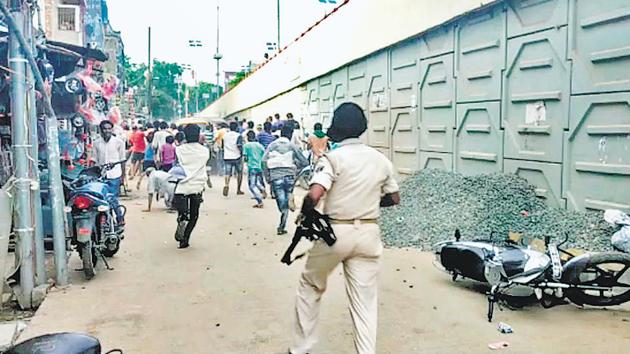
[(138, 146)]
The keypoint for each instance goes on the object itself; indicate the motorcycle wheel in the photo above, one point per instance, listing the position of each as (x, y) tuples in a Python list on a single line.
[(606, 270), (88, 256)]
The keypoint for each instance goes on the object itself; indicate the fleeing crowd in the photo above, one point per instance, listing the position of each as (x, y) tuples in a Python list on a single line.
[(271, 155)]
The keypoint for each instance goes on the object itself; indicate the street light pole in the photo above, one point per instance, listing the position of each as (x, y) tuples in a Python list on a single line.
[(278, 10), (217, 55)]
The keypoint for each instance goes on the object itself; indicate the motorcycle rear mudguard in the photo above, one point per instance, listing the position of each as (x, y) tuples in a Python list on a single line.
[(84, 226), (572, 269), (59, 343)]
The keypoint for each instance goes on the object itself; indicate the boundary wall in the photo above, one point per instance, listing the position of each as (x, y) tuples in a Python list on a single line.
[(539, 88)]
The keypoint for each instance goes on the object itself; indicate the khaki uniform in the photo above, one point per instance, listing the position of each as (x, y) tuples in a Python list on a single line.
[(355, 177)]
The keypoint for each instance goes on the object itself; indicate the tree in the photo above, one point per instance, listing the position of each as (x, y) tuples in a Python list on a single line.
[(164, 75), (164, 100), (135, 74), (240, 76), (199, 91)]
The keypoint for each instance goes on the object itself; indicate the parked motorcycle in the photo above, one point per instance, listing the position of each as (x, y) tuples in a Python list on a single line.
[(60, 343), (96, 233), (596, 279)]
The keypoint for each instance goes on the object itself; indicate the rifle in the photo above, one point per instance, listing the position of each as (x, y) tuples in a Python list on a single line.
[(312, 227)]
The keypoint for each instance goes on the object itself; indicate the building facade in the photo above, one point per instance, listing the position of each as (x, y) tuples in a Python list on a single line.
[(63, 20)]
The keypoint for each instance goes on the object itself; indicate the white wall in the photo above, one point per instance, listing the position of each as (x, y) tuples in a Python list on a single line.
[(354, 31)]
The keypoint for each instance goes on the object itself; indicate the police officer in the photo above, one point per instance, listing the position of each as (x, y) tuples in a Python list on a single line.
[(357, 180)]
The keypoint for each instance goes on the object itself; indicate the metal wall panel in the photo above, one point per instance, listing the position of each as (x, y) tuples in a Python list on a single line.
[(529, 16), (404, 74), (312, 89), (325, 99), (438, 41), (404, 140), (378, 101), (536, 96), (546, 177), (597, 162), (437, 104), (340, 87), (479, 138), (480, 55), (436, 160), (357, 83), (600, 45)]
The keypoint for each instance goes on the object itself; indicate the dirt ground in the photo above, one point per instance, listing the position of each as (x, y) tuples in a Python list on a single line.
[(229, 293)]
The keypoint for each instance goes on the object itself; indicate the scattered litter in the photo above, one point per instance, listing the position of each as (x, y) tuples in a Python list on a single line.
[(504, 328), (498, 345)]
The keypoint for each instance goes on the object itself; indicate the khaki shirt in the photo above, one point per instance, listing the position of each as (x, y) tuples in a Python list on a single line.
[(356, 177)]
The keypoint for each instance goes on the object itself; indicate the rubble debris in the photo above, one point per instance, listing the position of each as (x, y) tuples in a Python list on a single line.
[(435, 203)]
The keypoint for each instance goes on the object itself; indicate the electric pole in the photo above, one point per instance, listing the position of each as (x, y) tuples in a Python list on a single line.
[(149, 80), (23, 225)]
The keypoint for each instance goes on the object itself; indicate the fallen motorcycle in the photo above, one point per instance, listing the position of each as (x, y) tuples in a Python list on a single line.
[(60, 343), (596, 279)]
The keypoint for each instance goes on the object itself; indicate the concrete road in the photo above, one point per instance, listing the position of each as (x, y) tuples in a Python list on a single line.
[(229, 293)]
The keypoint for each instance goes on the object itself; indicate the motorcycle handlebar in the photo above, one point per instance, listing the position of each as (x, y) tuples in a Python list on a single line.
[(109, 166)]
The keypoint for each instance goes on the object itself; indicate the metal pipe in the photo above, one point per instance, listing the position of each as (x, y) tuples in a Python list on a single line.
[(53, 155), (23, 227), (40, 252)]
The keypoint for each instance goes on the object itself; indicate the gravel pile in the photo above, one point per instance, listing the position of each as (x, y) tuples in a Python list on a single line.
[(435, 203)]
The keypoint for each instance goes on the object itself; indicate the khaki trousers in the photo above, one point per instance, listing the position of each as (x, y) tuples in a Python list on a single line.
[(359, 248)]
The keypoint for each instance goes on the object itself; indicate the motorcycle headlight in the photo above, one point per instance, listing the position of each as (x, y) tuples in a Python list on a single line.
[(493, 272)]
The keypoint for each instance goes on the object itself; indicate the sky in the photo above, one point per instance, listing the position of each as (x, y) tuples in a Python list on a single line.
[(245, 27)]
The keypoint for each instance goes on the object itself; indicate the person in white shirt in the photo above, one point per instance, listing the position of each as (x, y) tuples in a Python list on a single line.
[(297, 138), (160, 183), (111, 149), (192, 157), (159, 139), (233, 158)]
